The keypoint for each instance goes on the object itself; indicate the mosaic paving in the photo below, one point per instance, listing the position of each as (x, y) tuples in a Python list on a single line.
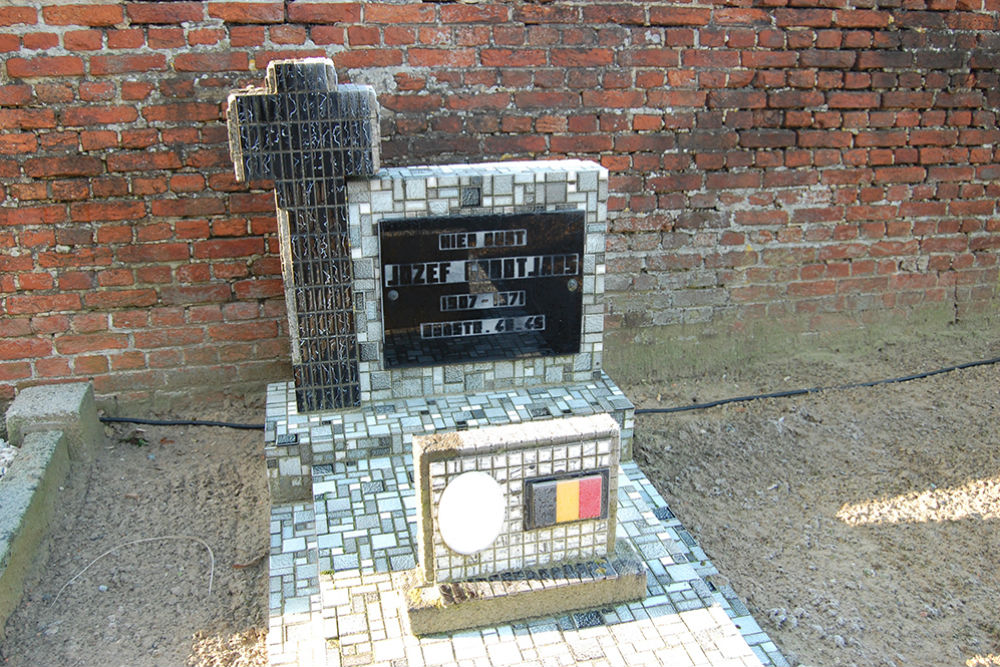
[(335, 599)]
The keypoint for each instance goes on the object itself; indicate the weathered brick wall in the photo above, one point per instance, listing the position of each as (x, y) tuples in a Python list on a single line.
[(767, 161)]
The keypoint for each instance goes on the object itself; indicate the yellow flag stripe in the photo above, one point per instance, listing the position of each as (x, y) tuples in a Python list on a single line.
[(568, 501)]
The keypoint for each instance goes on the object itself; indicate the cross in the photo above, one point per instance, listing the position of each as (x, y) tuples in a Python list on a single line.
[(309, 135)]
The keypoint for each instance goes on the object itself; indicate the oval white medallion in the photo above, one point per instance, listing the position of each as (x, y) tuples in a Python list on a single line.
[(471, 512)]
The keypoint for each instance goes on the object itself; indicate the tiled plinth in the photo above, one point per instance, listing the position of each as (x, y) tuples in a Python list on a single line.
[(340, 565)]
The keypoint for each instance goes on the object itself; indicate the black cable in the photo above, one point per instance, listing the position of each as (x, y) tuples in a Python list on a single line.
[(813, 390), (180, 422), (638, 411)]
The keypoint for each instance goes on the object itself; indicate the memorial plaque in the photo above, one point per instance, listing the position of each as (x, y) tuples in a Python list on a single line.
[(481, 287)]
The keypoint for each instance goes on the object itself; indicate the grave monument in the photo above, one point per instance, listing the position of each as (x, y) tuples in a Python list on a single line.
[(449, 452)]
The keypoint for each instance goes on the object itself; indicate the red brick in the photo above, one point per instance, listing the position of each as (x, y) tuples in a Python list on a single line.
[(147, 62), (35, 281), (581, 57), (823, 58), (153, 252), (249, 35), (243, 331), (512, 57), (103, 115), (186, 295), (165, 38), (187, 183), (90, 364), (25, 348), (51, 167), (615, 14), (394, 13), (115, 278), (361, 58), (933, 137), (675, 15), (14, 371), (247, 12), (546, 100), (24, 68), (860, 18), (143, 161), (49, 324), (900, 175), (450, 57), (613, 99), (187, 207), (89, 322), (852, 100), (219, 248), (164, 12), (15, 94), (480, 101), (107, 211), (18, 15), (129, 38), (658, 57), (28, 305), (811, 18), (325, 34), (92, 15), (135, 298), (11, 144), (205, 36), (136, 90), (474, 14), (174, 337), (92, 91), (580, 143), (226, 61), (316, 12), (288, 34), (40, 41), (77, 343)]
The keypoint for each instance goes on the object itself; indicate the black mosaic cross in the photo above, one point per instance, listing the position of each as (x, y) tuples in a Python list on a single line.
[(309, 135)]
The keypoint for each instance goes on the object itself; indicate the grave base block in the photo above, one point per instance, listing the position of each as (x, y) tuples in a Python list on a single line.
[(448, 607)]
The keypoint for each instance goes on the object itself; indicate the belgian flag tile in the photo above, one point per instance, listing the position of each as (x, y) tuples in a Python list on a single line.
[(554, 501)]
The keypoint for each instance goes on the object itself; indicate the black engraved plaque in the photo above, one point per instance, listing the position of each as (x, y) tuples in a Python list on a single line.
[(481, 287)]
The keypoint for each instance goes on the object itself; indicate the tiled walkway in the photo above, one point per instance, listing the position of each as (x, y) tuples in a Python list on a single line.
[(339, 564)]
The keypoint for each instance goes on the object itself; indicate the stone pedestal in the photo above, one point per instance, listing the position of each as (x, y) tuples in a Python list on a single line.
[(526, 594)]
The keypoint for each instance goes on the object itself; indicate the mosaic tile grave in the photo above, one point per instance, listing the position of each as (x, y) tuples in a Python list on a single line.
[(453, 316)]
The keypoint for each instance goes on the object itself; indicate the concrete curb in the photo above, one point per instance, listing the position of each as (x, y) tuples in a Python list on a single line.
[(56, 426), (29, 492), (69, 408)]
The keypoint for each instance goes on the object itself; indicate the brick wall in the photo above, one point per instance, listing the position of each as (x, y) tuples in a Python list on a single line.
[(767, 161)]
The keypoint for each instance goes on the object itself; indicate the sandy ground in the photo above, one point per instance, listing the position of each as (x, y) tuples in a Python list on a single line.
[(149, 604), (858, 525)]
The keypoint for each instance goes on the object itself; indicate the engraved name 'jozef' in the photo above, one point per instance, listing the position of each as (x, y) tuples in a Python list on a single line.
[(467, 271)]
